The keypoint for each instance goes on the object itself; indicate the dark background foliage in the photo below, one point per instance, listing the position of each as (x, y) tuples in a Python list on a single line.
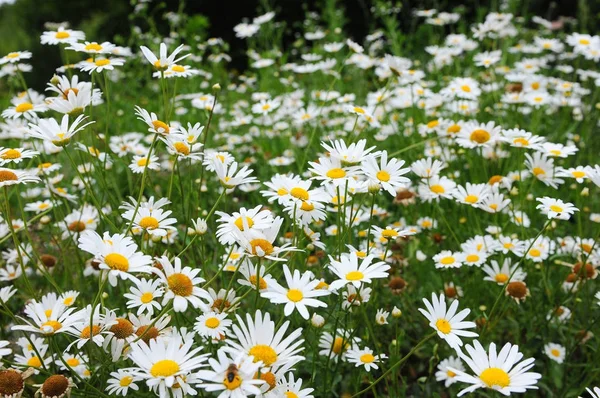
[(22, 23)]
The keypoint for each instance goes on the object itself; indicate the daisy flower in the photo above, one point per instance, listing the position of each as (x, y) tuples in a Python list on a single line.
[(388, 175), (472, 194), (336, 346), (165, 362), (150, 217), (213, 325), (163, 61), (101, 64), (258, 338), (437, 187), (154, 124), (501, 275), (556, 352), (352, 154), (299, 294), (92, 47), (60, 319), (245, 220), (233, 374), (121, 381), (427, 168), (364, 357), (25, 109), (474, 135), (62, 36), (448, 259), (446, 322), (520, 138), (331, 170), (15, 155), (58, 134), (261, 243), (579, 173), (504, 372), (181, 284), (556, 208), (12, 177), (143, 296), (230, 176), (116, 253), (349, 270), (15, 57), (445, 374)]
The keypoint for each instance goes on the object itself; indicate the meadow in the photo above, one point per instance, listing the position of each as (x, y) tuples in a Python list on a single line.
[(414, 214)]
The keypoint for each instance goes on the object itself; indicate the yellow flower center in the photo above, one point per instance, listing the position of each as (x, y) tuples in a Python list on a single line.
[(282, 192), (264, 244), (68, 301), (299, 193), (447, 260), (24, 107), (555, 352), (472, 258), (538, 171), (212, 322), (86, 333), (338, 345), (102, 62), (55, 325), (266, 107), (437, 189), (495, 377), (585, 42), (146, 297), (443, 326), (450, 374), (93, 47), (336, 173), (261, 283), (62, 35), (142, 162), (480, 136), (11, 154), (354, 276), (159, 125), (455, 128), (521, 141), (367, 358), (534, 253), (471, 198), (117, 262), (578, 174), (501, 278), (177, 68), (164, 368), (72, 362), (556, 209), (34, 362), (383, 176), (307, 206), (182, 148), (295, 295), (263, 353), (432, 124), (240, 223), (12, 55), (148, 223), (466, 89), (126, 381), (180, 284), (358, 109)]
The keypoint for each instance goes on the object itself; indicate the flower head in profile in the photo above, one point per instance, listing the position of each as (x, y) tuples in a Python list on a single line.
[(163, 61), (556, 208)]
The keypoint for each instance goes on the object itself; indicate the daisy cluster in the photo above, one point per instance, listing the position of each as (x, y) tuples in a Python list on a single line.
[(254, 237)]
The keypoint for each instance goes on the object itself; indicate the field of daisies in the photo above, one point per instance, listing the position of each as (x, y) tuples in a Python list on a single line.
[(414, 214)]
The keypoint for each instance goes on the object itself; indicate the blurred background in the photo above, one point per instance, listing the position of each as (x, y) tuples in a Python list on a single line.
[(22, 21)]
